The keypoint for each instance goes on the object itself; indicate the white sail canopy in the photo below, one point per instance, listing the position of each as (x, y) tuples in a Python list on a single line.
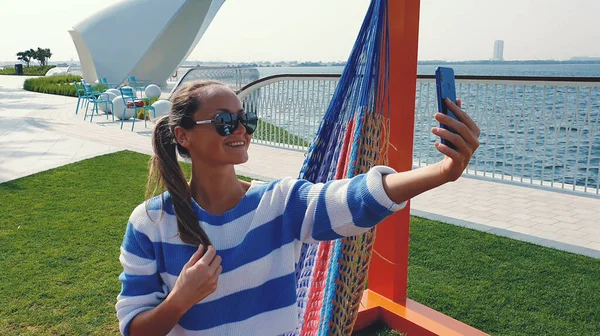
[(147, 39)]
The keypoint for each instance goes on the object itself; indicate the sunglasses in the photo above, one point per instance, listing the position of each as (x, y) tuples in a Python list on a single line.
[(227, 122)]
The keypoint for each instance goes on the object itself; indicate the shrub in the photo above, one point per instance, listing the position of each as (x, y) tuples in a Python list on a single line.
[(28, 71), (58, 85)]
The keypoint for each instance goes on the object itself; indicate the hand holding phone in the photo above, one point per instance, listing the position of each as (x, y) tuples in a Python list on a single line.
[(446, 88)]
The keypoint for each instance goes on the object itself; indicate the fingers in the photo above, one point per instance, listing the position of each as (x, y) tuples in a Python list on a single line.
[(463, 117), (215, 265), (454, 138), (214, 280), (459, 102), (449, 152), (210, 260), (218, 271), (460, 128), (195, 257), (208, 256)]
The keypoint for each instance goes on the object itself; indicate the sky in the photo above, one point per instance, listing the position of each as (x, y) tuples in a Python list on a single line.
[(324, 30)]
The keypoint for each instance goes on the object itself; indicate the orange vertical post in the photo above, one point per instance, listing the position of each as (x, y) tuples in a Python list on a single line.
[(386, 298), (388, 272)]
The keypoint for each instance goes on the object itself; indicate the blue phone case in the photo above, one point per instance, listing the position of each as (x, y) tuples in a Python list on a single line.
[(446, 88)]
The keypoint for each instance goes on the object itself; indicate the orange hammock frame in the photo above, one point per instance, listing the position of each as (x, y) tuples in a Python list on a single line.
[(386, 299)]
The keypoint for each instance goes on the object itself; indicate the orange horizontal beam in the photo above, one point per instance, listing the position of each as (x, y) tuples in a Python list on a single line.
[(412, 319)]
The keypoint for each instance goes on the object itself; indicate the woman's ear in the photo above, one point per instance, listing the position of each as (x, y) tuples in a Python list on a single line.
[(181, 136)]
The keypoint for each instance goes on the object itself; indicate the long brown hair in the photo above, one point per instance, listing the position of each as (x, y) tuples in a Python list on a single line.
[(165, 172)]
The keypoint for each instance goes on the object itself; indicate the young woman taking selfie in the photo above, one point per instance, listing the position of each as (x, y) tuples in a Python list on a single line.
[(215, 255)]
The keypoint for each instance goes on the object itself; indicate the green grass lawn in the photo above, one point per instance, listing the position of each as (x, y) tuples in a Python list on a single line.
[(503, 286), (269, 132), (377, 329), (60, 233)]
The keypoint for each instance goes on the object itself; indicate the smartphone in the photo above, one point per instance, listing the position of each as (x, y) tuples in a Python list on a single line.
[(446, 88)]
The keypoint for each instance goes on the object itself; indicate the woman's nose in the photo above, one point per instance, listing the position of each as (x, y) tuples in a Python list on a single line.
[(240, 129)]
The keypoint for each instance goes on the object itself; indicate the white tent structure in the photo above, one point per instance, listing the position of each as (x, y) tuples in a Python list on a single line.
[(147, 39)]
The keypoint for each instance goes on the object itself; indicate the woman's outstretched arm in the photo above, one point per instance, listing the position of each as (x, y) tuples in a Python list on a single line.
[(406, 185), (340, 208)]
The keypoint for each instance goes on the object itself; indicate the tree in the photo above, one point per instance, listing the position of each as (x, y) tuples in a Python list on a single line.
[(21, 56), (26, 56), (42, 55)]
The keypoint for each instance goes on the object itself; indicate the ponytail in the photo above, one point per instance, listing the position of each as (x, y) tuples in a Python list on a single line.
[(165, 173)]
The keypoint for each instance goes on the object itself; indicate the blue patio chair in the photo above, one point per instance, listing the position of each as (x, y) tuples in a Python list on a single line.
[(138, 86), (94, 91), (108, 85), (131, 101), (93, 96), (81, 96)]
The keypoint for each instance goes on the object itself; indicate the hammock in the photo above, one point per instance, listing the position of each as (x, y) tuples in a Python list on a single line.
[(352, 138)]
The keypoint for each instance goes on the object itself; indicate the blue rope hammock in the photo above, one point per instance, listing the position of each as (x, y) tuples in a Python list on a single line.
[(351, 138)]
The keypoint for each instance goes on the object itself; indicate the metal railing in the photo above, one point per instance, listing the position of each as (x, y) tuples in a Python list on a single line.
[(539, 131), (234, 77), (290, 107)]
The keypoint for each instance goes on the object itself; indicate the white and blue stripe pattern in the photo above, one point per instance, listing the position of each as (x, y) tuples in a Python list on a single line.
[(259, 241)]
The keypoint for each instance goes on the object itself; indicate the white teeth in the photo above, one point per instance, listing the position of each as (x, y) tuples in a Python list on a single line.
[(236, 144)]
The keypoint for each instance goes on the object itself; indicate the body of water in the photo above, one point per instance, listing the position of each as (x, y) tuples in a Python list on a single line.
[(533, 132), (531, 70)]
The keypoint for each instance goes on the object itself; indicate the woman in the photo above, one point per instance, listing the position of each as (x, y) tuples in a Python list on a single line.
[(245, 237)]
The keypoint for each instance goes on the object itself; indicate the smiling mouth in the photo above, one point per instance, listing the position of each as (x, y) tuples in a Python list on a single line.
[(236, 144)]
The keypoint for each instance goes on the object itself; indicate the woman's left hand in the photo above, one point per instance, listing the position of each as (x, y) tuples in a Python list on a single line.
[(465, 140)]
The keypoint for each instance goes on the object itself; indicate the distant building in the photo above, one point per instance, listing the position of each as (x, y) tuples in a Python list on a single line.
[(498, 50)]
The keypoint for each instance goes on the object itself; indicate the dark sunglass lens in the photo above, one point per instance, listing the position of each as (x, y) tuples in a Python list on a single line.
[(226, 123), (250, 122)]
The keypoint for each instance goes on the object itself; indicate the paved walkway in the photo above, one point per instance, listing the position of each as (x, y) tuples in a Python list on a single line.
[(39, 132)]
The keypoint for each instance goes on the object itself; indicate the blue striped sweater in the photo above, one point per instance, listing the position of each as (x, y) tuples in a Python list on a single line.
[(259, 241)]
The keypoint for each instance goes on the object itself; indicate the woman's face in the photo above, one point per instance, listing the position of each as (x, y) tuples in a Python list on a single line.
[(204, 143)]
